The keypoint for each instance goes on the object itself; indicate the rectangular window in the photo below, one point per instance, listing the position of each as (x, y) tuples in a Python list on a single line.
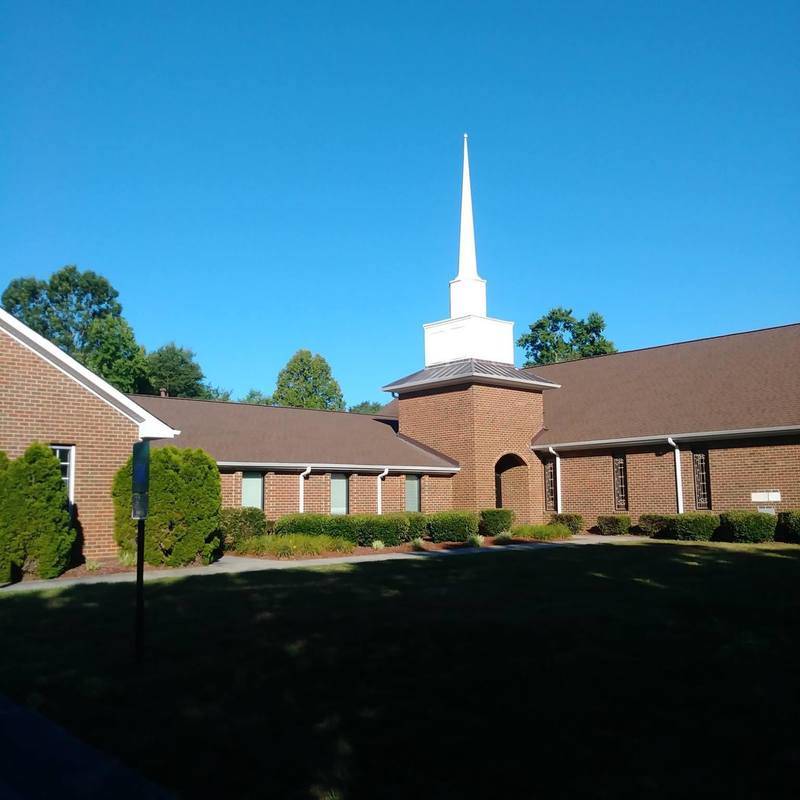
[(412, 493), (550, 484), (252, 490), (620, 483), (340, 494), (702, 481), (65, 453)]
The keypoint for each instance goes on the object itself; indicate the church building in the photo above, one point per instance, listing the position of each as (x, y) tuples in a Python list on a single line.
[(710, 424)]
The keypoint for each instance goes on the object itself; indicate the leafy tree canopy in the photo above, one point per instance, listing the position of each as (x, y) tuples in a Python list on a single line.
[(366, 407), (560, 336), (63, 308), (210, 392), (174, 368), (257, 397), (112, 352), (306, 382)]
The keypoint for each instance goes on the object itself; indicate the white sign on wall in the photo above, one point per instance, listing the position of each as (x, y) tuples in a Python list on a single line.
[(772, 496)]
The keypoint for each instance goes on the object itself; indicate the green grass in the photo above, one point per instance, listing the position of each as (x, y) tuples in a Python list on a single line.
[(289, 545), (658, 669)]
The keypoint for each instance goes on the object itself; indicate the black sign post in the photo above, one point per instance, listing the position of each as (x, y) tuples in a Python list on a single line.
[(140, 488)]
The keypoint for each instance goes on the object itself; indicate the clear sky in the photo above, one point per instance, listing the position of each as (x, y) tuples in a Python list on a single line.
[(258, 177)]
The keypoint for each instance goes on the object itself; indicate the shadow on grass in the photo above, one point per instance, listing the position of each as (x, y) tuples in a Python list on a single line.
[(607, 670)]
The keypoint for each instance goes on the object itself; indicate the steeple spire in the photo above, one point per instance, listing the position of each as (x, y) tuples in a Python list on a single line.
[(468, 290)]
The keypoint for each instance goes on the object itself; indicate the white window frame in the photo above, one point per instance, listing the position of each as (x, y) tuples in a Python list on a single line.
[(70, 480), (251, 474)]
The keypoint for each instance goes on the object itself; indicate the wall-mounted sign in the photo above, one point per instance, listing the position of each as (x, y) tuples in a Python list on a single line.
[(772, 496)]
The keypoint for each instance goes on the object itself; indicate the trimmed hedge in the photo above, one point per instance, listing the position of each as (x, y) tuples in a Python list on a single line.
[(614, 524), (654, 524), (691, 526), (313, 524), (573, 521), (417, 525), (294, 544), (36, 533), (183, 525), (495, 520), (788, 528), (542, 533), (452, 526), (238, 524), (747, 526), (360, 529)]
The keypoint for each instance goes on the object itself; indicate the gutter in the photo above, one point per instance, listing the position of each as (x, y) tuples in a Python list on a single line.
[(303, 475), (678, 476), (379, 480), (294, 465), (558, 478)]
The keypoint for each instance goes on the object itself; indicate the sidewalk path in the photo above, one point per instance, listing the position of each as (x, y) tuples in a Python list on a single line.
[(229, 564)]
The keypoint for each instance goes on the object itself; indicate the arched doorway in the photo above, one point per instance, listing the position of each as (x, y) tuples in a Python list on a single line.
[(511, 486)]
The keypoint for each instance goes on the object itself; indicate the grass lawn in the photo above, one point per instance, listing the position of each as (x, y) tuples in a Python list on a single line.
[(655, 669)]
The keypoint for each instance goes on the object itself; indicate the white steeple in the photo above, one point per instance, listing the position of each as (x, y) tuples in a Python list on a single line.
[(468, 290), (468, 333)]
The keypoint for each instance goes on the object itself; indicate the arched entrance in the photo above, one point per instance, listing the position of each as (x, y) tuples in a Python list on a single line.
[(511, 486)]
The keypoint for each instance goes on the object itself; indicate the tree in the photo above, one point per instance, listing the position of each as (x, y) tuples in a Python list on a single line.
[(306, 382), (257, 397), (173, 368), (63, 308), (112, 352), (209, 392), (559, 336), (366, 407)]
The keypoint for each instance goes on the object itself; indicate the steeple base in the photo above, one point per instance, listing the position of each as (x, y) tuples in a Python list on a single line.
[(469, 337)]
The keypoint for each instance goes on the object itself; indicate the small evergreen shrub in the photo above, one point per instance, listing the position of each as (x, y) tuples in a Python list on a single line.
[(417, 544), (475, 540), (183, 525), (378, 545), (573, 521), (788, 528), (238, 524), (691, 526), (747, 526), (293, 545), (654, 524), (495, 520), (614, 524), (312, 524), (417, 525), (506, 537), (391, 529), (542, 533), (36, 533), (452, 526)]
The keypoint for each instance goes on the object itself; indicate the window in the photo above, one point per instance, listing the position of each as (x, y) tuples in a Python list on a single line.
[(65, 453), (702, 482), (252, 490), (412, 493), (339, 494), (620, 483), (550, 484)]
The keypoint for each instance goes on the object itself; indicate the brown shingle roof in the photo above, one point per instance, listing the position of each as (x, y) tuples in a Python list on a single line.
[(242, 433), (736, 382)]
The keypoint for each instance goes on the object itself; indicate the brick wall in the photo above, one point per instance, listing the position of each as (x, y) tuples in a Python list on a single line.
[(231, 485), (363, 494), (436, 493), (477, 425), (40, 403), (393, 494)]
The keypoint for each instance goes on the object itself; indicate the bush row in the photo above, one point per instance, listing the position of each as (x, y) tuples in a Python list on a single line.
[(36, 532), (553, 530)]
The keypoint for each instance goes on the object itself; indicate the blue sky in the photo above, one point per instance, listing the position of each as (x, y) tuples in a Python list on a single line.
[(259, 177)]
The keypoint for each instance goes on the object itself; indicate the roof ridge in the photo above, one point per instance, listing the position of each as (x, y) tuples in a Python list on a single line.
[(661, 346)]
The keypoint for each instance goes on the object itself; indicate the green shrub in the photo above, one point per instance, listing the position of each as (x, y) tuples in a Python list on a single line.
[(506, 537), (654, 524), (573, 521), (417, 525), (475, 540), (361, 529), (691, 526), (238, 524), (292, 545), (543, 533), (378, 545), (391, 529), (36, 533), (614, 524), (417, 544), (788, 528), (495, 520), (312, 524), (185, 502), (452, 526), (747, 526)]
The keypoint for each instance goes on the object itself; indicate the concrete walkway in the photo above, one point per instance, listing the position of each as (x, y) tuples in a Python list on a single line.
[(229, 564)]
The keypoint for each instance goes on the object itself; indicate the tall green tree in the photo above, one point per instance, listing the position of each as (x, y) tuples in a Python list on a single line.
[(210, 392), (62, 308), (306, 382), (560, 336), (111, 351), (174, 369), (257, 397), (366, 407)]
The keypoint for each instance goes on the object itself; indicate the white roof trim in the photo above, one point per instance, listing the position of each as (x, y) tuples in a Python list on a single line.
[(150, 427), (733, 433), (301, 465)]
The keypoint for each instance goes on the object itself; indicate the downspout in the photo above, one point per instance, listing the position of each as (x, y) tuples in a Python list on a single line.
[(380, 488), (303, 475), (558, 478), (678, 477)]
